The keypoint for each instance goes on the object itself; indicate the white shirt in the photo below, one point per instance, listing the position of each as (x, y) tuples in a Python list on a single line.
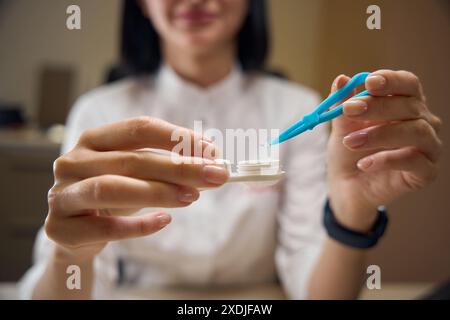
[(233, 235)]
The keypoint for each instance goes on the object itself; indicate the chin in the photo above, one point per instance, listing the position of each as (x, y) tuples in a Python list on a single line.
[(200, 41)]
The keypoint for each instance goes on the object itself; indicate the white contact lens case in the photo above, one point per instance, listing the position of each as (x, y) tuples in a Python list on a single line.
[(255, 172)]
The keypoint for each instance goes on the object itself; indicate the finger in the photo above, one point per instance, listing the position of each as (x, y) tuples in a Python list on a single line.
[(118, 212), (343, 125), (339, 82), (421, 170), (145, 132), (390, 108), (417, 133), (144, 165), (118, 192), (436, 123), (388, 82), (87, 230)]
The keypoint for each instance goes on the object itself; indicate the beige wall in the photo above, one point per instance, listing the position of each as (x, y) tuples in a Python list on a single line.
[(313, 42), (296, 28), (33, 33)]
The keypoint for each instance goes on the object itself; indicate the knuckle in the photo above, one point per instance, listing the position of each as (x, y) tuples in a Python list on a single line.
[(416, 82), (86, 136), (383, 159), (429, 175), (388, 74), (411, 77), (413, 155), (128, 163), (142, 124), (437, 123), (181, 171), (106, 187), (422, 127), (418, 109), (97, 191), (141, 121), (414, 79), (56, 233), (163, 195), (100, 188), (50, 228), (384, 72), (62, 166), (53, 198)]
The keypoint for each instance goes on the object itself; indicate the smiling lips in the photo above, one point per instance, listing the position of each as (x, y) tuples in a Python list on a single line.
[(196, 17)]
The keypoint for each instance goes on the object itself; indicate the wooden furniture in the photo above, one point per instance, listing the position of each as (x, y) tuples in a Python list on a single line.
[(404, 291), (26, 161)]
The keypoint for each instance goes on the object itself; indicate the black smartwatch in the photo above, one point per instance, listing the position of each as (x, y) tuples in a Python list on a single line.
[(353, 238)]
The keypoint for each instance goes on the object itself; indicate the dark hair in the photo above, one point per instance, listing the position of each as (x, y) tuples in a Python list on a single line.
[(140, 47)]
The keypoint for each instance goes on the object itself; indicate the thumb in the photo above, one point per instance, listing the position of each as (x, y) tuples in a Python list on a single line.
[(94, 229), (342, 125), (339, 82)]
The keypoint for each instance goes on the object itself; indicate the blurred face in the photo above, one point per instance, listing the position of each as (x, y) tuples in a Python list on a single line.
[(196, 26)]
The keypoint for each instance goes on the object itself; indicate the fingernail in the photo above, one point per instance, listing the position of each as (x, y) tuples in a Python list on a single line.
[(208, 149), (365, 163), (375, 82), (186, 195), (355, 107), (334, 86), (163, 219), (356, 140), (215, 174)]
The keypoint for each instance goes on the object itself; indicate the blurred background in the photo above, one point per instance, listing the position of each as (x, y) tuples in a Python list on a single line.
[(44, 67)]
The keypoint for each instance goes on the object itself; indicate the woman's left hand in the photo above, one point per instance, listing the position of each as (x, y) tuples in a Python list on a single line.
[(384, 146)]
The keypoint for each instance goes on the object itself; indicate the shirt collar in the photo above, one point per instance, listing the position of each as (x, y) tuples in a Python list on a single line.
[(175, 89)]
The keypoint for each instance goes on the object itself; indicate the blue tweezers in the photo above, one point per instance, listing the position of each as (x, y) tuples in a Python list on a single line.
[(319, 115)]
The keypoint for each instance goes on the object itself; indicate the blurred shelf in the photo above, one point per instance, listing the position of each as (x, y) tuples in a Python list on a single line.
[(25, 140), (26, 168)]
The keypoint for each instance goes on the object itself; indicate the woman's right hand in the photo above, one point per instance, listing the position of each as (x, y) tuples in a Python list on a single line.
[(104, 179)]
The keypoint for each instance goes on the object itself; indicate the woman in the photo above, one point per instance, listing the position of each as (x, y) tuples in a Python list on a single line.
[(203, 60)]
